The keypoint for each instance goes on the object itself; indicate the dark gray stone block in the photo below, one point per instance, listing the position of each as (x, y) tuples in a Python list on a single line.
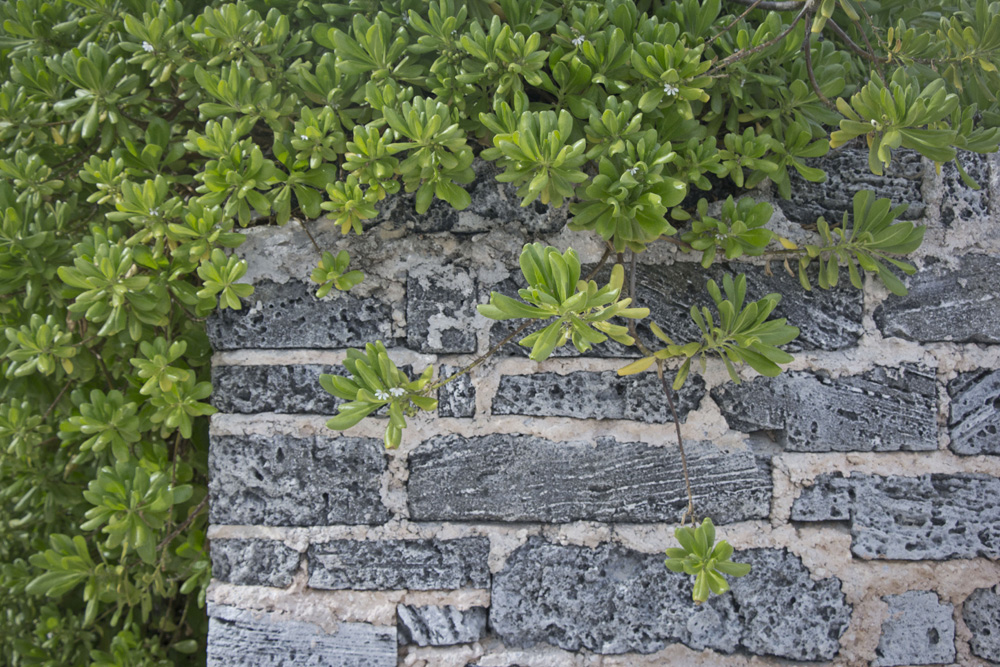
[(784, 611), (288, 315), (959, 201), (931, 517), (493, 204), (284, 389), (847, 172), (827, 319), (254, 562), (250, 638), (420, 565), (441, 310), (974, 422), (594, 395), (920, 630), (883, 410), (961, 305), (440, 626), (981, 612), (279, 480), (458, 397), (614, 600), (502, 477)]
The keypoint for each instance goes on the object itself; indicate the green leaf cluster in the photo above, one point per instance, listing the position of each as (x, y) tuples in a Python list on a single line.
[(704, 559)]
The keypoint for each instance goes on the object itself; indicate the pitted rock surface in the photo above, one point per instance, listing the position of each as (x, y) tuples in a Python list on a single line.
[(974, 422), (960, 305), (283, 389), (981, 612), (919, 630), (288, 315), (594, 395), (882, 410), (847, 172), (440, 625), (501, 477), (959, 202), (254, 562), (419, 565), (278, 480), (613, 600), (252, 638), (440, 309), (458, 397), (827, 319), (931, 517)]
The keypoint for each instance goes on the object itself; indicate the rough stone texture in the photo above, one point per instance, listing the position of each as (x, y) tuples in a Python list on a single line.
[(981, 612), (284, 389), (420, 565), (931, 517), (288, 315), (828, 319), (254, 562), (974, 422), (784, 611), (594, 395), (614, 600), (959, 201), (920, 630), (278, 480), (883, 410), (493, 204), (440, 626), (458, 397), (500, 477), (440, 309), (961, 305), (243, 637), (847, 172)]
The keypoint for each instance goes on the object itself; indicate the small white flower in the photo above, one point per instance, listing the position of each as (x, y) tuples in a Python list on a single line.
[(381, 395), (874, 122), (633, 170), (303, 137), (670, 89), (154, 212), (147, 47), (577, 41), (397, 391)]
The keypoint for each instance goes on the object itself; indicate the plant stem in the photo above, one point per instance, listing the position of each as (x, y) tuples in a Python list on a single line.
[(187, 522), (729, 27), (479, 361), (746, 53), (309, 234)]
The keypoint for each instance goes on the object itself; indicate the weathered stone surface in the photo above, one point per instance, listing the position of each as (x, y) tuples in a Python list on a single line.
[(288, 315), (458, 397), (828, 319), (440, 309), (961, 305), (959, 201), (981, 612), (244, 637), (974, 422), (440, 626), (279, 480), (883, 410), (420, 565), (284, 389), (920, 630), (931, 517), (493, 204), (254, 562), (784, 611), (847, 172), (594, 395), (615, 600), (501, 477)]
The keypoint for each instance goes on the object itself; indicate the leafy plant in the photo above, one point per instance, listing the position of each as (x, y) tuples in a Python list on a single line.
[(704, 559)]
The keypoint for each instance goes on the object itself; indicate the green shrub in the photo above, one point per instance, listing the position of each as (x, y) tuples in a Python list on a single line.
[(135, 135)]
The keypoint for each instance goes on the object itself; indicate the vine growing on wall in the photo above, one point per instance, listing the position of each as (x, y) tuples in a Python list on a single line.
[(136, 135)]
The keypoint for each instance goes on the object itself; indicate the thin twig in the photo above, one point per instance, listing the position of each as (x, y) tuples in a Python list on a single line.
[(807, 50), (479, 361), (607, 253), (853, 45), (746, 53), (184, 524), (55, 401), (734, 22), (309, 234), (774, 5)]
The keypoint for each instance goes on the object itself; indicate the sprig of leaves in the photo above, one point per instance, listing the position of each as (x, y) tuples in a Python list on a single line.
[(704, 559)]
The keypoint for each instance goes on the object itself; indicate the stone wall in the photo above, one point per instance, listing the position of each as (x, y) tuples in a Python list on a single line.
[(525, 523)]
